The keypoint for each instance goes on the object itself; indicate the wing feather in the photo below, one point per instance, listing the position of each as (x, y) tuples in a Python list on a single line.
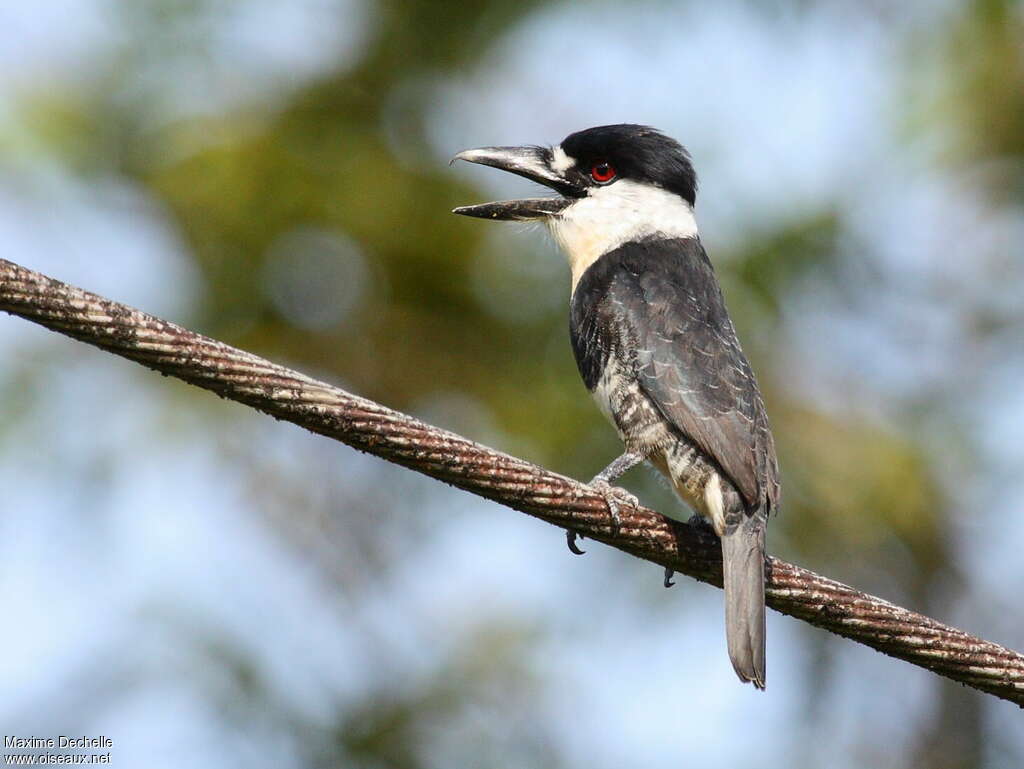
[(688, 360)]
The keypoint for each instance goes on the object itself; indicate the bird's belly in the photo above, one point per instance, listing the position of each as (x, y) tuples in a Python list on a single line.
[(644, 430), (694, 479), (640, 425)]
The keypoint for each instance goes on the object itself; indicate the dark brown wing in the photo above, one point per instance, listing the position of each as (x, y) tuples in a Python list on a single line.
[(689, 362)]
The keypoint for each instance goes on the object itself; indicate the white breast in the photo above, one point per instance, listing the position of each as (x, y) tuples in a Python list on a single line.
[(619, 213)]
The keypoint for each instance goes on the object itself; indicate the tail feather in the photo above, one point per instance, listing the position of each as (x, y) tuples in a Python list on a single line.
[(743, 572)]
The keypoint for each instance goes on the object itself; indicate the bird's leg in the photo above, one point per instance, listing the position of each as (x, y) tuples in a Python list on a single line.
[(613, 496)]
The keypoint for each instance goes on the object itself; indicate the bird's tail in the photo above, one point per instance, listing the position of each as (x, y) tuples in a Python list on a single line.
[(743, 573)]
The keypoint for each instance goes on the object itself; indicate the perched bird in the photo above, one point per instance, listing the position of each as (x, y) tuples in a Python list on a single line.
[(654, 343)]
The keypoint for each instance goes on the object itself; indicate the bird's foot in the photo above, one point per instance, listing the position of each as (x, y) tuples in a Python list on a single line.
[(700, 522), (668, 577), (615, 497), (570, 540)]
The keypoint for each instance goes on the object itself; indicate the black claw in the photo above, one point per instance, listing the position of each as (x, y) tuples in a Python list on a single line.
[(668, 577), (570, 540)]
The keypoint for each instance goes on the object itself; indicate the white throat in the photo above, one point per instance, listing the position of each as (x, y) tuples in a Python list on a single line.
[(619, 213)]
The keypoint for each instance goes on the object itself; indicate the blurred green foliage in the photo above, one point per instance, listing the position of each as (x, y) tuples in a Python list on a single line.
[(981, 69)]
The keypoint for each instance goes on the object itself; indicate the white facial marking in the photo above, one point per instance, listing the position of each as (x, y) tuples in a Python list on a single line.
[(560, 162), (618, 213)]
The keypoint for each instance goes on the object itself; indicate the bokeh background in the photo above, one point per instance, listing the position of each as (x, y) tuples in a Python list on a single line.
[(211, 588)]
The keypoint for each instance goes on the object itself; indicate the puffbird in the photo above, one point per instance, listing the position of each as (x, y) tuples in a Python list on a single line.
[(654, 343)]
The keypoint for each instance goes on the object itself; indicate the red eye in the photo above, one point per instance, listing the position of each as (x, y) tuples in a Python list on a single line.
[(602, 173)]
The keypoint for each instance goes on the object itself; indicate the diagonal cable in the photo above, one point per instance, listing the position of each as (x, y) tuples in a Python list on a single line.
[(368, 426)]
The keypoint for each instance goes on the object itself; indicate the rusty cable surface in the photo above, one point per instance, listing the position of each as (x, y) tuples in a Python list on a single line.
[(368, 426)]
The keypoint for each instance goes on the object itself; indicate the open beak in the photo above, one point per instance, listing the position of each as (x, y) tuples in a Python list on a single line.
[(533, 163)]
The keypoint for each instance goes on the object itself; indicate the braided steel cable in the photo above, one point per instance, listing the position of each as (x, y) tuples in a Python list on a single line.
[(368, 426)]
